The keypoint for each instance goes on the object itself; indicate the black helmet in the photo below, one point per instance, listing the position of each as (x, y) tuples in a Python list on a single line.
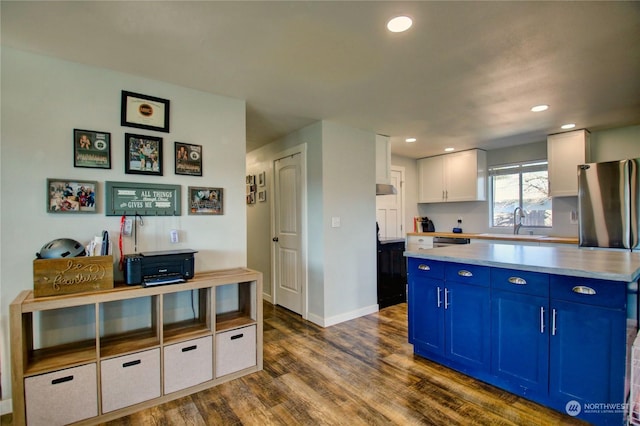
[(62, 247)]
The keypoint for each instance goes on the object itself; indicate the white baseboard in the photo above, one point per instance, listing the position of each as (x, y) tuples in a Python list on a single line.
[(337, 319), (6, 407), (267, 297)]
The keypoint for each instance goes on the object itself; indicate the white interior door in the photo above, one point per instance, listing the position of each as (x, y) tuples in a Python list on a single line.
[(390, 208), (288, 259)]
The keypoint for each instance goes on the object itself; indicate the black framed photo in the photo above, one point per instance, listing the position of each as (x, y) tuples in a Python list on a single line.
[(188, 159), (144, 112), (142, 154), (71, 196), (204, 200), (91, 149)]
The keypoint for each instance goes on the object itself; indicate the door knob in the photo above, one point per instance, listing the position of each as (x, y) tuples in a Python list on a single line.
[(274, 239)]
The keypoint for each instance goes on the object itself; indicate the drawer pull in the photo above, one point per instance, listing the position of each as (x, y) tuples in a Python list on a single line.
[(62, 380), (465, 273), (517, 281), (190, 348), (583, 289), (131, 363), (237, 336), (424, 267), (421, 240)]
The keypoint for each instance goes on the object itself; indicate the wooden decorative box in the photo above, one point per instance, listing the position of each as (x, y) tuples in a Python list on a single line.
[(53, 277)]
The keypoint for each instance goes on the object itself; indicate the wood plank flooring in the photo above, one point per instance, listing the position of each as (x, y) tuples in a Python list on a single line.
[(362, 372)]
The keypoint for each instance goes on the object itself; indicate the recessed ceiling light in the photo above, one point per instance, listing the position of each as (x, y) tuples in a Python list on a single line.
[(539, 108), (449, 149), (410, 140), (568, 126), (399, 24)]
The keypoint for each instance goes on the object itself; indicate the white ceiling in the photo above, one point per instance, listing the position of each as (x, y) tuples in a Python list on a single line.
[(465, 75)]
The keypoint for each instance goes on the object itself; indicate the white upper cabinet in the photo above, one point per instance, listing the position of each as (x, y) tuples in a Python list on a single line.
[(461, 176), (565, 151), (383, 159)]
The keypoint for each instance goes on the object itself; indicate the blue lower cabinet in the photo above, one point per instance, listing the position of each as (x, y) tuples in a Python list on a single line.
[(587, 360), (467, 325), (520, 341), (557, 340)]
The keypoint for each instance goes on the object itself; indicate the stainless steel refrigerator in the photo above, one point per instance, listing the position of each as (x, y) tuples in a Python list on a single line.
[(608, 204)]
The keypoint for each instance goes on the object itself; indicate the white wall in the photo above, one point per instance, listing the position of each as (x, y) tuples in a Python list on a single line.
[(43, 100), (340, 183)]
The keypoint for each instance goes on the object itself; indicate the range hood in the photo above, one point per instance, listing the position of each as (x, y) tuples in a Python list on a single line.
[(385, 189)]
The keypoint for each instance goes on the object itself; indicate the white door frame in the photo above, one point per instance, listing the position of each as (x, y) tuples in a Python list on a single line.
[(302, 150), (403, 229)]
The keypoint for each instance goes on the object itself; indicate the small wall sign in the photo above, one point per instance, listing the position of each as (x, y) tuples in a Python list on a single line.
[(143, 199)]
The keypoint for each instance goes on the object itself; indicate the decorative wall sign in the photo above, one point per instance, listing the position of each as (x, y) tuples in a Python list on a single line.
[(91, 149), (144, 112), (144, 199), (142, 154), (205, 200), (71, 196), (188, 159)]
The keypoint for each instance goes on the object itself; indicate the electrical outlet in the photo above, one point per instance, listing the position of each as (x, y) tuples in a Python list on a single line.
[(173, 234), (128, 224)]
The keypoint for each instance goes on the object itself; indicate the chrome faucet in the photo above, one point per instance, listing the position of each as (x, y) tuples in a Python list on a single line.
[(518, 215)]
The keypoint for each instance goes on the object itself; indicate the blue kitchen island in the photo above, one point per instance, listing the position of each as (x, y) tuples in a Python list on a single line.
[(551, 324)]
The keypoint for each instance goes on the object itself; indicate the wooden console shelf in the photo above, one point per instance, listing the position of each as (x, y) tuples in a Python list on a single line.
[(173, 340)]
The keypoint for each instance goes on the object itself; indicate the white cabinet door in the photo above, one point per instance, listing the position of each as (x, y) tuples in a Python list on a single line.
[(383, 159), (465, 176), (565, 151), (453, 177), (431, 185)]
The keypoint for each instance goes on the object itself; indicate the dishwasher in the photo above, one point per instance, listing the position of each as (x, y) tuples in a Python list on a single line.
[(449, 241)]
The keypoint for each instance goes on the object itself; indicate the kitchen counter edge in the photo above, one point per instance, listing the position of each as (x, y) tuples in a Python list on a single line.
[(570, 261), (500, 237)]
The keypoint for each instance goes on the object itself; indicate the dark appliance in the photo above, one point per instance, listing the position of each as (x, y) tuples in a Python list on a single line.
[(392, 271), (159, 267)]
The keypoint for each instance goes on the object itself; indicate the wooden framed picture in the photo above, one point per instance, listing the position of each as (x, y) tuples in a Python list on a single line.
[(205, 200), (144, 112), (142, 154), (71, 196), (91, 149), (188, 159)]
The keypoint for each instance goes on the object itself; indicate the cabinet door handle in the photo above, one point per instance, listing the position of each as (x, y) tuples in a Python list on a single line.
[(439, 301), (517, 281), (62, 380), (465, 273), (190, 348), (131, 363), (420, 240), (446, 298), (582, 289), (541, 320), (553, 322), (237, 336), (424, 267)]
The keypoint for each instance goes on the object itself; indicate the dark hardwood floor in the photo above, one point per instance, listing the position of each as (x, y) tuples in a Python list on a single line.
[(361, 372)]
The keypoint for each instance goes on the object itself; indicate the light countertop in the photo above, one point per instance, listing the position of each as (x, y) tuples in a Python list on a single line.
[(501, 237), (611, 265)]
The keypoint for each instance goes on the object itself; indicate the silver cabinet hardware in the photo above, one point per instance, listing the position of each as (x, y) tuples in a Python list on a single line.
[(553, 322), (517, 281), (439, 301), (446, 298), (541, 320), (582, 289), (424, 267), (465, 273)]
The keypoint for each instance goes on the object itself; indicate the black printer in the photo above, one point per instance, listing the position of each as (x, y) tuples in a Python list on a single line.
[(159, 267)]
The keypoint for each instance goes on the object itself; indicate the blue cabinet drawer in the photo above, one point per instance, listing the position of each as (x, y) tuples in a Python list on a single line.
[(523, 282), (611, 294), (425, 268), (468, 274)]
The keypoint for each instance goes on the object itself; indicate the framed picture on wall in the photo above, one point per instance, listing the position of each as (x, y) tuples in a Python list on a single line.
[(188, 159), (144, 112), (71, 196), (91, 149), (142, 154), (205, 200)]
